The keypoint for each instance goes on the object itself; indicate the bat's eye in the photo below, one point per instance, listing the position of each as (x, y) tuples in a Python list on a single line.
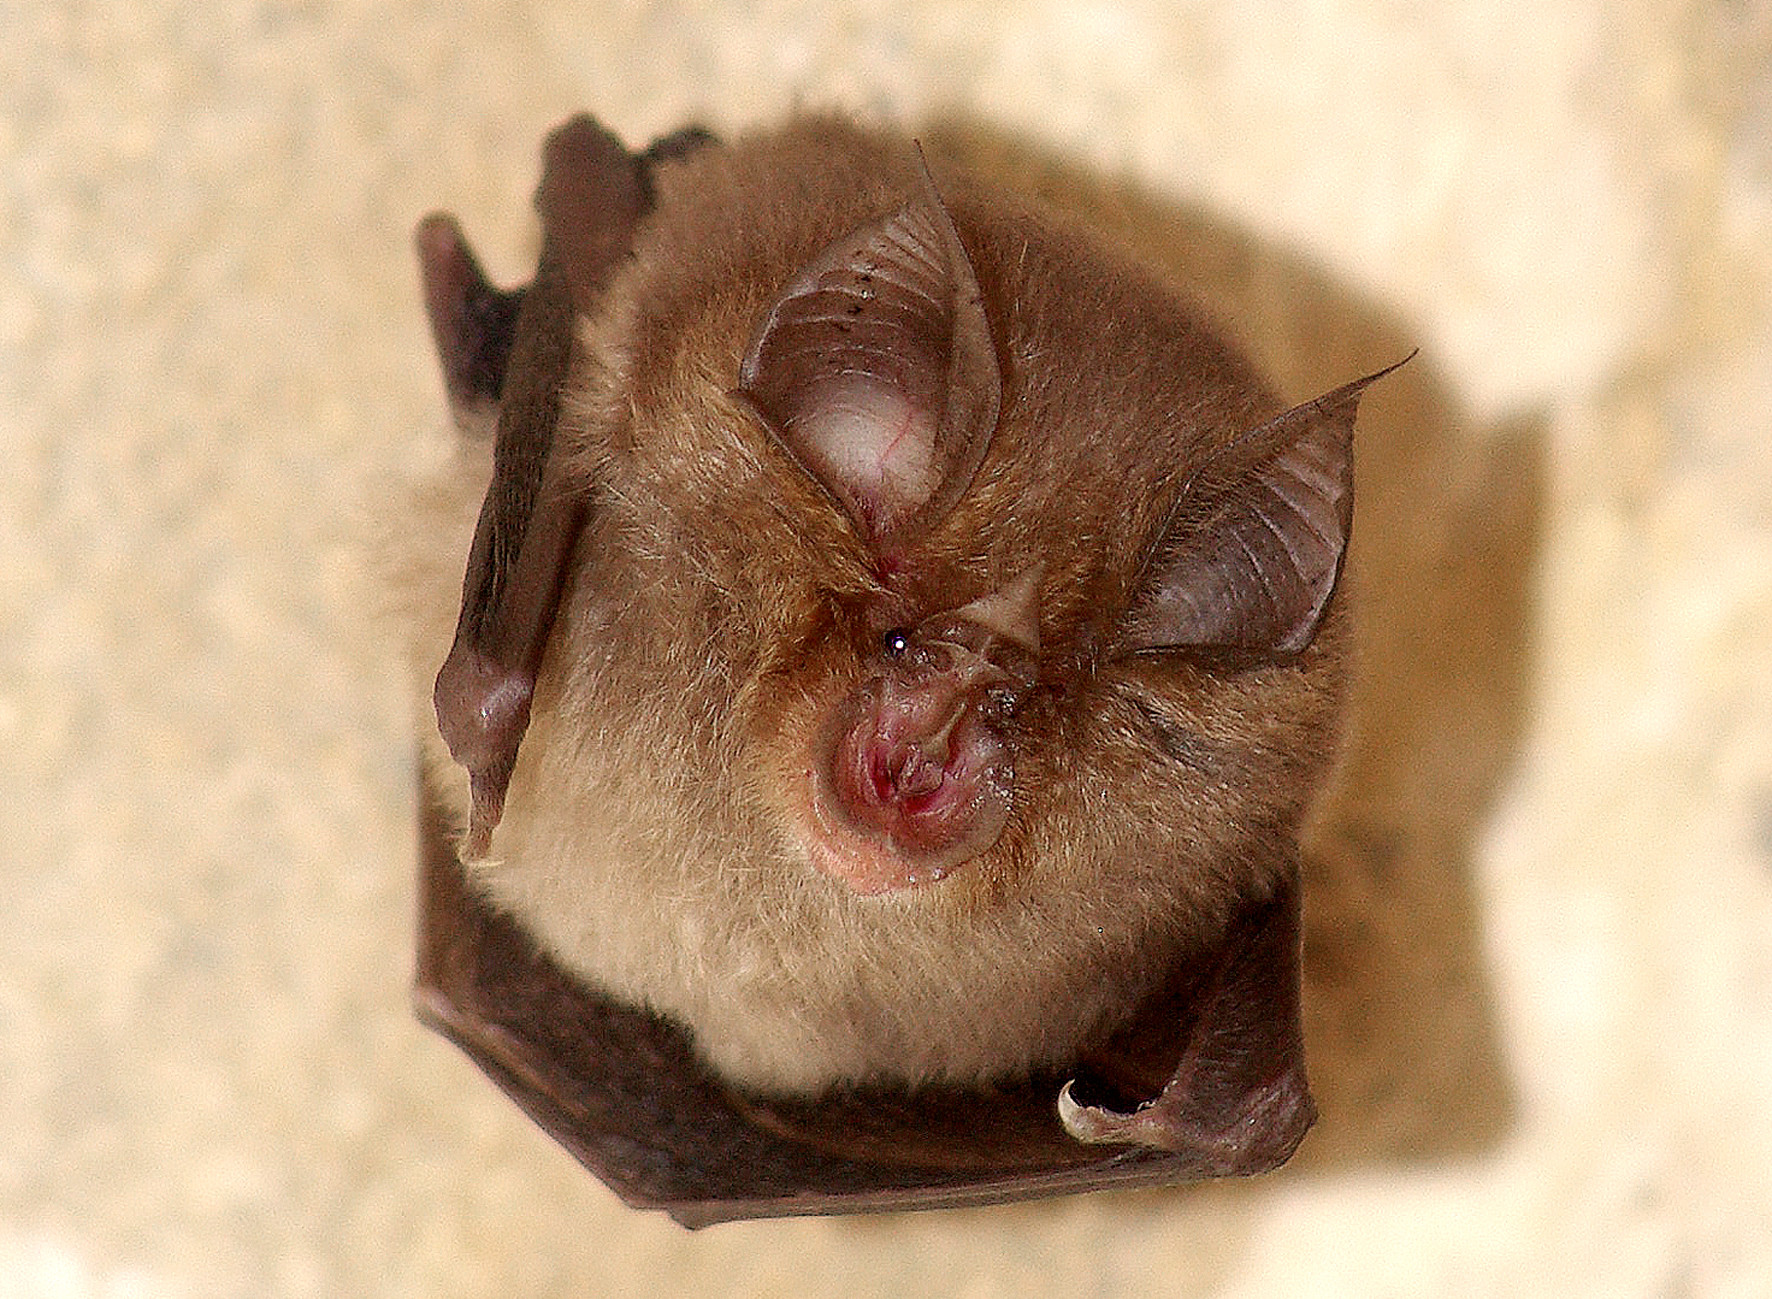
[(894, 642)]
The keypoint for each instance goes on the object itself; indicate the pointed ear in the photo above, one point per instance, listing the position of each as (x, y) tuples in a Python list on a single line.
[(876, 369), (1257, 572)]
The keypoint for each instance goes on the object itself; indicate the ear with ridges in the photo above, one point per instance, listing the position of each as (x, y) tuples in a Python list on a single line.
[(876, 369), (1258, 572)]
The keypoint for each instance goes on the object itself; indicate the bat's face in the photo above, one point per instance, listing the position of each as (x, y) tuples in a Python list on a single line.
[(950, 639)]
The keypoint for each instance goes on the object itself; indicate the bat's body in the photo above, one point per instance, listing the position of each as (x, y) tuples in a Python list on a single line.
[(899, 629)]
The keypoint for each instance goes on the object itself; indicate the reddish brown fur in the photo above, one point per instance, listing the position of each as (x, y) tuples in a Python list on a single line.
[(720, 603)]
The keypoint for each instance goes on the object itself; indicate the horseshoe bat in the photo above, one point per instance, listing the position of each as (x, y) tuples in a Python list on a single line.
[(898, 644)]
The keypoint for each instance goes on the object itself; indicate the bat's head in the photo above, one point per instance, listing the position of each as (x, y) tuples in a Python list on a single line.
[(877, 369)]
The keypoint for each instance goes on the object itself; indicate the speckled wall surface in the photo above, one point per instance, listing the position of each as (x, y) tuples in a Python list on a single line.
[(212, 355)]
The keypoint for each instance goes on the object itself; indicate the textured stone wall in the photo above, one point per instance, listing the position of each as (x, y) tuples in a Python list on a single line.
[(1542, 946)]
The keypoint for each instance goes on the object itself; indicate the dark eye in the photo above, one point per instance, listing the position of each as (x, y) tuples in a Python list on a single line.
[(894, 642)]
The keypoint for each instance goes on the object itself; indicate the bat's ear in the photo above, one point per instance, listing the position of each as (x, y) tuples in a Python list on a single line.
[(472, 323), (876, 369), (1255, 569)]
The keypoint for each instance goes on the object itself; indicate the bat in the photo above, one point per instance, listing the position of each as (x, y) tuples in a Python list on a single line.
[(899, 642)]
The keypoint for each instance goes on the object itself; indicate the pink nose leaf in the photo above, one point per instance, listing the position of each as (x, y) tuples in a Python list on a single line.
[(915, 785)]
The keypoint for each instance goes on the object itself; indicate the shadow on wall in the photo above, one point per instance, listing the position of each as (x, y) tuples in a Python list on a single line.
[(1398, 1013)]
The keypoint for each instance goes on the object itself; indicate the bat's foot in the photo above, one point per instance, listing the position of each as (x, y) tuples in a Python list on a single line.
[(1258, 1135), (1237, 1100)]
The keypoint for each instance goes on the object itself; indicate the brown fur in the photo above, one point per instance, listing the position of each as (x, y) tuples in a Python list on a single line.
[(719, 602)]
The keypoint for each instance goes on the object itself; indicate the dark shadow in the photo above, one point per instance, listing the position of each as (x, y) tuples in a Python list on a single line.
[(1399, 1016)]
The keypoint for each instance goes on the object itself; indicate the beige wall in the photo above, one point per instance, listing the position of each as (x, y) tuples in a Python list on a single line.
[(211, 350)]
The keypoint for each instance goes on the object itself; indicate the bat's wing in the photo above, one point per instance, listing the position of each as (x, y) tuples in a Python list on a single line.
[(505, 356), (1219, 1054)]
